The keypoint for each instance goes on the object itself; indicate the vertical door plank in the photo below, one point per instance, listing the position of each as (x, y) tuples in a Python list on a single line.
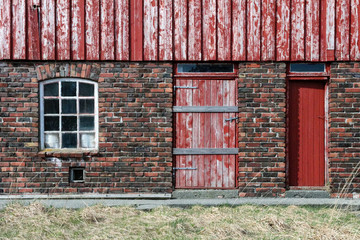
[(253, 30), (5, 29), (239, 30), (355, 30), (63, 30), (136, 26), (151, 22), (201, 164), (165, 30), (33, 24), (194, 37), (122, 49), (227, 130), (283, 30), (207, 134), (181, 131), (92, 30), (327, 41), (219, 132), (78, 30), (18, 29), (180, 18), (107, 39), (297, 30), (188, 130), (232, 135), (196, 137), (214, 133), (268, 30), (209, 29), (224, 30), (48, 30), (342, 33), (312, 38)]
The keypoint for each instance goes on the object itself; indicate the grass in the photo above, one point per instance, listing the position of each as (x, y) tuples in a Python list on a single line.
[(244, 222)]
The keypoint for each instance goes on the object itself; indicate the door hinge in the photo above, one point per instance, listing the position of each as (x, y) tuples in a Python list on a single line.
[(184, 168), (230, 119)]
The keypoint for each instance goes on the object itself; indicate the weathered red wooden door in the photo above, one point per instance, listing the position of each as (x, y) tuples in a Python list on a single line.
[(205, 128), (306, 133)]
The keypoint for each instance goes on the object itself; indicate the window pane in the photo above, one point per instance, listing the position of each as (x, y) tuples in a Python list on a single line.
[(68, 106), (68, 89), (86, 123), (205, 68), (51, 89), (52, 140), (51, 106), (69, 123), (86, 105), (87, 140), (86, 89), (51, 123), (307, 67), (69, 140)]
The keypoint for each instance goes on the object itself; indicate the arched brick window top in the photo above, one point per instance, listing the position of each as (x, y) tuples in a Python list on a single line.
[(69, 114)]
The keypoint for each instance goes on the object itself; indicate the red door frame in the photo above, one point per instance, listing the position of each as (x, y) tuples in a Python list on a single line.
[(213, 76), (306, 76)]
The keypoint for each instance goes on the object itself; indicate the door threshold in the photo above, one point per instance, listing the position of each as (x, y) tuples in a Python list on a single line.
[(204, 193)]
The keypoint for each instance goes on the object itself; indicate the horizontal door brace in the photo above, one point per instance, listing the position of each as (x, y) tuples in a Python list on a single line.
[(184, 168), (185, 87), (205, 151), (214, 109)]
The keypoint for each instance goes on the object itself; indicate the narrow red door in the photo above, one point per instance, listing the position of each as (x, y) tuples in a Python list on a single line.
[(306, 137), (205, 128)]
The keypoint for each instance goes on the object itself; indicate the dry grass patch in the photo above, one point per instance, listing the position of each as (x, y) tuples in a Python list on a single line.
[(243, 222)]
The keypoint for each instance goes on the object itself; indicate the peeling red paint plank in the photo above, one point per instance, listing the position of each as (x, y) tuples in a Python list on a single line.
[(312, 38), (297, 30), (18, 29), (327, 41), (355, 30), (107, 40), (342, 32), (78, 30), (224, 30), (151, 30), (5, 29), (239, 30), (122, 34), (165, 30), (268, 30), (209, 29), (194, 37), (63, 30), (283, 30), (33, 46), (92, 13), (180, 18), (136, 34), (253, 30), (48, 29)]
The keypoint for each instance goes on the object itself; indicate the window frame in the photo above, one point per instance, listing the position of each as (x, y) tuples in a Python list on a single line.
[(77, 114)]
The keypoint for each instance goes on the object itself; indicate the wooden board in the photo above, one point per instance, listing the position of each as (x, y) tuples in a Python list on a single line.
[(63, 30), (253, 32), (5, 29), (122, 30)]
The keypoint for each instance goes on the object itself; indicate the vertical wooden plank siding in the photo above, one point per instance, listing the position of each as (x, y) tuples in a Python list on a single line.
[(122, 33), (107, 40), (327, 40), (297, 30), (33, 37), (355, 31), (268, 30), (78, 30), (239, 30), (194, 36), (312, 30), (165, 30), (63, 30), (136, 32), (151, 22), (342, 33), (92, 29), (48, 29), (253, 30), (224, 30), (209, 29), (283, 30), (180, 19), (18, 29), (5, 31)]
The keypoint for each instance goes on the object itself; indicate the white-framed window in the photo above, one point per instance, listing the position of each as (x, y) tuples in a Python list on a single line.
[(68, 114)]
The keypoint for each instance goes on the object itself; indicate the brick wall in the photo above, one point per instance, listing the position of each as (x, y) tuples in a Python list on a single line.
[(262, 103), (135, 130), (344, 129)]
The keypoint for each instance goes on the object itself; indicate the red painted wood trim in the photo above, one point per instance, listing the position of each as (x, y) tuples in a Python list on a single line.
[(18, 29), (107, 26), (33, 49), (283, 30), (48, 29), (165, 30), (194, 30), (312, 30), (92, 13), (136, 30), (297, 30), (5, 29), (78, 30), (151, 21), (239, 30), (63, 30), (355, 31), (180, 29), (224, 30), (327, 30), (209, 29), (342, 33), (122, 30), (268, 30), (253, 30)]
